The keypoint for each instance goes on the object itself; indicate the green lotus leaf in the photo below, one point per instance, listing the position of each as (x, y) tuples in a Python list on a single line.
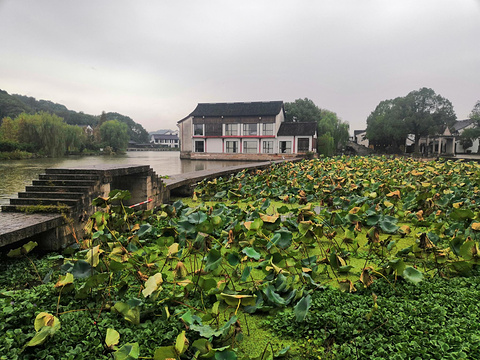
[(413, 275), (301, 309), (251, 253)]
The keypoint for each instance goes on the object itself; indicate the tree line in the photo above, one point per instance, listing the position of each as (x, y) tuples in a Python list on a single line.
[(418, 114), (47, 134), (14, 105)]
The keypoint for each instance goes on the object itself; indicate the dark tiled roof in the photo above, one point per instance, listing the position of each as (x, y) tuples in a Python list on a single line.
[(164, 137), (357, 132), (297, 129), (461, 124), (260, 108)]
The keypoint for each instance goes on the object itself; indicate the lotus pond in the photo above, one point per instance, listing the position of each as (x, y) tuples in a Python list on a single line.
[(339, 258)]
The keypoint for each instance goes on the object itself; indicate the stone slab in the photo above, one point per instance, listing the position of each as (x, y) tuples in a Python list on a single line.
[(18, 226), (105, 170)]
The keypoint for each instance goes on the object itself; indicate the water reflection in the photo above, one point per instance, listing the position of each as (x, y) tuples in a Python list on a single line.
[(16, 174)]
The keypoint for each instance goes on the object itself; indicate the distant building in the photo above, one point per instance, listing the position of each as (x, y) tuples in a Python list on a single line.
[(165, 132), (166, 140), (244, 131), (448, 142), (359, 137), (458, 129)]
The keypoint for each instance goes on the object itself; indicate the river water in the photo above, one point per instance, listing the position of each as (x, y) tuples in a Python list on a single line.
[(16, 174)]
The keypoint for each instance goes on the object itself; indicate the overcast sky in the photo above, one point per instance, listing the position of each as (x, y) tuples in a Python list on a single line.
[(155, 60)]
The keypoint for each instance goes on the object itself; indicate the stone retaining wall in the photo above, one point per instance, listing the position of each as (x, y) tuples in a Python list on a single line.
[(187, 155)]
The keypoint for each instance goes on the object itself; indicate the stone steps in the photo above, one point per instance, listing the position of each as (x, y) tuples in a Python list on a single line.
[(49, 194), (61, 182), (44, 201), (57, 189), (37, 209), (54, 209), (53, 190), (68, 177)]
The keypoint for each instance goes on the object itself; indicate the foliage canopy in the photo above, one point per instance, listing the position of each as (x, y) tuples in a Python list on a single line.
[(13, 105), (420, 113)]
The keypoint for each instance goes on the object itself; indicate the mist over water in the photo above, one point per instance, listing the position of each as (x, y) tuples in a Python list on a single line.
[(16, 174)]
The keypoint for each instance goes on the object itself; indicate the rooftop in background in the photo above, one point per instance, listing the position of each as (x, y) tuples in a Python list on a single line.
[(164, 132), (297, 129), (260, 108), (461, 124), (164, 136)]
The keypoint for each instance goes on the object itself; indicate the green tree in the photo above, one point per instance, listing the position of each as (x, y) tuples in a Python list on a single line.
[(302, 110), (332, 131), (10, 106), (136, 132), (385, 128), (427, 113), (75, 138), (114, 134), (102, 119), (45, 131), (475, 114), (9, 130), (420, 113)]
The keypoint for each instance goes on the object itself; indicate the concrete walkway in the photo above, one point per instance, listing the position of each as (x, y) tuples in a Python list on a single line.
[(182, 184)]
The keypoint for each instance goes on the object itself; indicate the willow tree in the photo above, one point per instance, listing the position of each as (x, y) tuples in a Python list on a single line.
[(9, 130), (114, 134), (46, 132)]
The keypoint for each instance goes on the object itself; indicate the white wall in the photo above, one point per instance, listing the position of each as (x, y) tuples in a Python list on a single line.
[(286, 138), (473, 149), (214, 145), (185, 134), (360, 141)]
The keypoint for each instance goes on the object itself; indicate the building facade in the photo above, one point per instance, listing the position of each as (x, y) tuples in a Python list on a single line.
[(247, 130), (165, 140)]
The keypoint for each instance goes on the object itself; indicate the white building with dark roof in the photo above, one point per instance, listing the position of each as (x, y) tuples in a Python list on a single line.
[(458, 128), (244, 130), (165, 140)]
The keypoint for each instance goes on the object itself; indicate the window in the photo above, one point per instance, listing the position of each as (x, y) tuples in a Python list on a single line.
[(267, 129), (199, 146), (250, 146), (268, 146), (249, 129), (197, 129), (285, 147), (231, 129), (303, 145), (231, 146), (214, 129)]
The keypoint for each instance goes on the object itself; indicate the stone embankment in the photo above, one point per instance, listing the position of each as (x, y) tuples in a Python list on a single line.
[(54, 210)]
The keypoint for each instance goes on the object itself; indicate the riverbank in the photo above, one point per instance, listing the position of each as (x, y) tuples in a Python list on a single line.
[(15, 175), (15, 155)]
